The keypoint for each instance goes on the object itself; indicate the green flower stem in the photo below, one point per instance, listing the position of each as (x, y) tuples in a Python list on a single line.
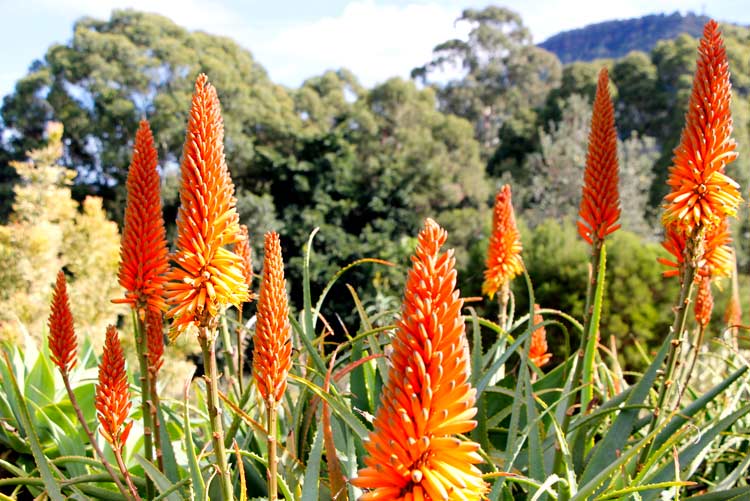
[(92, 439), (141, 343), (240, 349), (121, 464), (678, 327), (272, 459), (207, 341), (157, 425)]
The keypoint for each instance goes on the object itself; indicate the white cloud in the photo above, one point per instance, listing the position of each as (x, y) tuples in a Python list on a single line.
[(374, 41)]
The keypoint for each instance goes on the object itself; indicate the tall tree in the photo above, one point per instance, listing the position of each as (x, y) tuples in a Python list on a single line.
[(114, 72), (503, 74)]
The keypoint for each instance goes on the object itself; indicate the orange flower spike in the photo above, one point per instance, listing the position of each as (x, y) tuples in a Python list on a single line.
[(207, 277), (538, 353), (704, 302), (504, 250), (272, 355), (143, 251), (600, 201), (63, 343), (411, 452), (702, 194), (112, 393), (242, 249), (733, 314)]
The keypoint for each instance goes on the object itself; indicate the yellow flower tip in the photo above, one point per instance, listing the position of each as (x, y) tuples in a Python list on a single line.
[(207, 277), (504, 249), (412, 452), (272, 354)]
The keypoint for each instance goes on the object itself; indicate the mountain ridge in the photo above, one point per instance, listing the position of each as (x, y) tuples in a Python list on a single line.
[(616, 38)]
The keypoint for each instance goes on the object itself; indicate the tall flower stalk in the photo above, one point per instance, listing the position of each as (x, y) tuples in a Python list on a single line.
[(702, 195), (112, 401), (242, 248), (598, 216), (503, 253), (143, 265), (272, 355), (412, 452), (207, 277), (503, 263), (63, 347)]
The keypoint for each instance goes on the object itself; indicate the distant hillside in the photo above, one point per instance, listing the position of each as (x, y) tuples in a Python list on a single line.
[(613, 39)]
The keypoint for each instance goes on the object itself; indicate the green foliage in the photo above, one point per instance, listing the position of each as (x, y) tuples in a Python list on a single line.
[(555, 256), (504, 75), (47, 232)]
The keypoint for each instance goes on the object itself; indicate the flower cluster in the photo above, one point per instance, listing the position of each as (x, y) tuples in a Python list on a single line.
[(600, 201), (504, 250), (207, 276), (412, 453), (702, 195)]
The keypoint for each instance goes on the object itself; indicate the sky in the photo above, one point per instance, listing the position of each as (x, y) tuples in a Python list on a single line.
[(296, 39)]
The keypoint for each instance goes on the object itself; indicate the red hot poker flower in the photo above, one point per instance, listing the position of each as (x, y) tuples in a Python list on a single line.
[(272, 354), (112, 393), (242, 249), (208, 277), (63, 343), (504, 250), (538, 353), (143, 251), (600, 203), (702, 195), (704, 302), (412, 453)]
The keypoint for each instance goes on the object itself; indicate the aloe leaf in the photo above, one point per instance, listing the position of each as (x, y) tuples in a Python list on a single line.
[(312, 471), (686, 456), (680, 418), (619, 433), (53, 489), (341, 410), (167, 489)]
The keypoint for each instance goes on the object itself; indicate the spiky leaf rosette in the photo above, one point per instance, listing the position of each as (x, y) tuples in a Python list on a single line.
[(600, 200), (412, 452), (702, 194), (504, 249), (272, 352), (143, 249), (207, 276), (112, 398), (63, 343)]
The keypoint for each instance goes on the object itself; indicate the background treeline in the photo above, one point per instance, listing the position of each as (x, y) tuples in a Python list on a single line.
[(366, 165)]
